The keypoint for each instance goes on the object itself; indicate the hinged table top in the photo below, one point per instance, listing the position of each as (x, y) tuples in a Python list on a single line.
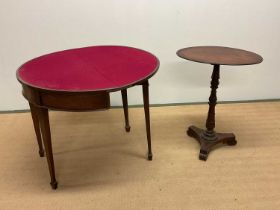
[(94, 68)]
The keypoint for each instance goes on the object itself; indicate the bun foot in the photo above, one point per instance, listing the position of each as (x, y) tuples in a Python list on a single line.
[(127, 128), (54, 185), (150, 156), (231, 142), (203, 155), (190, 132)]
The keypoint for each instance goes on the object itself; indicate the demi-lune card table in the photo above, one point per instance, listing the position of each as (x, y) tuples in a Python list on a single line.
[(81, 80), (215, 56)]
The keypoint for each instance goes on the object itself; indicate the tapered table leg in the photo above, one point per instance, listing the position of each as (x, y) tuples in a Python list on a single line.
[(209, 138), (145, 87), (46, 133), (125, 109), (34, 114)]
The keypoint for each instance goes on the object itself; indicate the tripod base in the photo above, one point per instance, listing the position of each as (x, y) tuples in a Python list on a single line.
[(207, 142)]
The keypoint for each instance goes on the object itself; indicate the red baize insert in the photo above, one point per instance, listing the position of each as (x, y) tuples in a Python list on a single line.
[(89, 69)]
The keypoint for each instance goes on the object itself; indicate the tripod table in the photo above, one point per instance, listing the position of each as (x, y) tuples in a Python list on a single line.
[(215, 56)]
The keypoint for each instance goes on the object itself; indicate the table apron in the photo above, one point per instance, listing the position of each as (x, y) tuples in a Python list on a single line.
[(71, 101)]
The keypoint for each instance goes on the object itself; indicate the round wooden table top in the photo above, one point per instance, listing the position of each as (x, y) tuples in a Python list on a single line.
[(96, 68), (219, 55)]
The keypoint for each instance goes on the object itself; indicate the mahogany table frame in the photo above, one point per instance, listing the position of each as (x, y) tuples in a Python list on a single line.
[(215, 56), (43, 100)]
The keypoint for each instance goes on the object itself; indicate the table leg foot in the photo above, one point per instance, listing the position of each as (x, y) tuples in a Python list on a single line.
[(203, 155), (195, 132), (205, 144), (54, 184), (41, 153), (231, 142), (127, 128), (227, 138), (150, 156)]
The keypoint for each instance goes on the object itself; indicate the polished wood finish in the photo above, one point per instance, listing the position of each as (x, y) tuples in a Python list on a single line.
[(35, 113), (216, 56), (219, 55), (205, 144), (210, 122), (145, 87), (67, 101), (44, 95), (76, 101), (125, 109), (46, 133), (209, 138), (41, 101)]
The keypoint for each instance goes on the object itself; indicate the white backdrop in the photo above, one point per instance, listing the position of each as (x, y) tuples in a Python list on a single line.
[(30, 28)]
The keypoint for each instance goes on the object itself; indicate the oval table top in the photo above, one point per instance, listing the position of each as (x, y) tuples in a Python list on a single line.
[(216, 55), (96, 68)]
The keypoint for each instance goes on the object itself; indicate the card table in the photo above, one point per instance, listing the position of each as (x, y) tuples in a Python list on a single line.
[(81, 80)]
